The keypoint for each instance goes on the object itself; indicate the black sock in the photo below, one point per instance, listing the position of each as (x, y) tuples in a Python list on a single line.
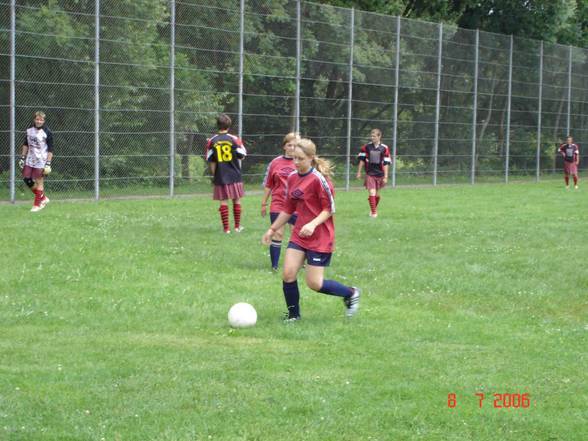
[(335, 288), (292, 297)]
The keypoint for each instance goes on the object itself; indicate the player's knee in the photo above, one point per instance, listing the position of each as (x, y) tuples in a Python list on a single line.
[(289, 275), (278, 235), (29, 181), (314, 283)]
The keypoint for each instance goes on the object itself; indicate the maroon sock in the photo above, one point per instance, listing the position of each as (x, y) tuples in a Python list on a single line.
[(567, 179), (237, 215), (373, 204), (224, 212), (575, 180), (38, 197)]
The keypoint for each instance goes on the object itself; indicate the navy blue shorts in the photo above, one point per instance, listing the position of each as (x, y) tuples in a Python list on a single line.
[(291, 221), (313, 258)]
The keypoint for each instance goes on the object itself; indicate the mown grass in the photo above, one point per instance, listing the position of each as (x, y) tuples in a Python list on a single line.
[(113, 321)]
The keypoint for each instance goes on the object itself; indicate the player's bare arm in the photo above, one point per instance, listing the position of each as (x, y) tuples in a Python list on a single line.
[(359, 169), (264, 199), (282, 219)]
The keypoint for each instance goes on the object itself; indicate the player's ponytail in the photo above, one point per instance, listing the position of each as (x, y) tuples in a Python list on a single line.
[(323, 166)]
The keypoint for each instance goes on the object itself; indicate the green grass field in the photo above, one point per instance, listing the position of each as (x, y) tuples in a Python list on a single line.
[(113, 321)]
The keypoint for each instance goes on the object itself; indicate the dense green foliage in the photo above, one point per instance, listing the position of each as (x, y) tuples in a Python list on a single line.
[(557, 21), (55, 70), (113, 322)]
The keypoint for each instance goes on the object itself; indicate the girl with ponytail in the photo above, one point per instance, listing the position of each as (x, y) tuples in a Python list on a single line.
[(310, 194)]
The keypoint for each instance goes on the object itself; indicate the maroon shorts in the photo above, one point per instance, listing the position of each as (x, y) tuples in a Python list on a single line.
[(374, 182), (570, 168), (32, 173), (228, 191)]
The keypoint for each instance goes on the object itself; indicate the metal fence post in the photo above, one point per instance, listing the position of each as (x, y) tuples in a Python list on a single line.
[(172, 104), (508, 105), (12, 100), (538, 160), (568, 125), (298, 67), (437, 105), (475, 108), (97, 99), (350, 100), (396, 85), (241, 64)]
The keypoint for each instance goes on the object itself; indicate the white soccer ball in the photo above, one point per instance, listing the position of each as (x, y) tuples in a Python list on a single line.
[(242, 315)]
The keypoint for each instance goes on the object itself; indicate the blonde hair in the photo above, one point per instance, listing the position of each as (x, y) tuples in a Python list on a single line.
[(322, 165), (290, 137), (41, 114)]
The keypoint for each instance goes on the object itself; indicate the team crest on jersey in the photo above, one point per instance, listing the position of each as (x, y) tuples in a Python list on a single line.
[(297, 194)]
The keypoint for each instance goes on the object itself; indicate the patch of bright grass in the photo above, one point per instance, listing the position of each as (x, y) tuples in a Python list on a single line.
[(113, 321)]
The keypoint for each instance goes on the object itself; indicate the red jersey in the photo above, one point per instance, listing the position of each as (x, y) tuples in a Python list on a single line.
[(275, 179), (227, 151), (308, 195), (570, 152), (375, 158)]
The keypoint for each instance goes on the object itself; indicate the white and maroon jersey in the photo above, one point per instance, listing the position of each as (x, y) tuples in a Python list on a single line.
[(227, 151), (308, 195), (570, 152), (275, 179), (375, 158), (40, 143)]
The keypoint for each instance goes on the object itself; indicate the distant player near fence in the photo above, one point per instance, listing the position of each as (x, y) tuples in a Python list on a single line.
[(224, 153), (571, 156), (375, 157), (35, 160)]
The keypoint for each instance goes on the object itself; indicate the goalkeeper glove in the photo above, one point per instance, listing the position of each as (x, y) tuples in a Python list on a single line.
[(47, 168), (21, 162)]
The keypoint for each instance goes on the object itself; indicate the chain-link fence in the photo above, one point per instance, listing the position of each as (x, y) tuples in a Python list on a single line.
[(131, 89)]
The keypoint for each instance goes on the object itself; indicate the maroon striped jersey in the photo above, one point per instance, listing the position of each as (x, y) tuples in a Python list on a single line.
[(375, 158), (570, 152), (308, 195)]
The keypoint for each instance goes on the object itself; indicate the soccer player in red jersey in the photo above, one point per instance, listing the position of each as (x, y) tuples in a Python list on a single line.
[(375, 157), (35, 160), (274, 184), (310, 194), (571, 155), (224, 153)]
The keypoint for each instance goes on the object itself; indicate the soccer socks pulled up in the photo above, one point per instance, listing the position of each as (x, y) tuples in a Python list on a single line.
[(575, 180), (567, 179), (335, 288), (224, 213), (275, 249), (39, 195), (292, 297), (237, 215), (373, 204)]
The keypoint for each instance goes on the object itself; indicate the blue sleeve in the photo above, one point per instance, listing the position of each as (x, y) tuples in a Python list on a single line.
[(49, 140)]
